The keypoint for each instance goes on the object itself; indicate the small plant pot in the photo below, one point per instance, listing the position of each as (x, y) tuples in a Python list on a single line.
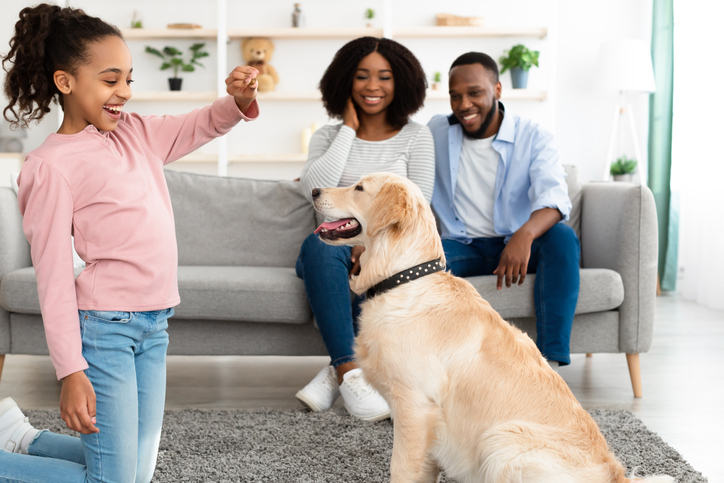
[(519, 78), (434, 86), (623, 177), (174, 83), (370, 25)]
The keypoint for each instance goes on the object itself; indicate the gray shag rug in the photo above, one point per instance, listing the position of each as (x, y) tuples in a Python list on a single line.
[(271, 446)]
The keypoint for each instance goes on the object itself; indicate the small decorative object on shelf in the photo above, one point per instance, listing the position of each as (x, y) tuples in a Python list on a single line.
[(448, 20), (436, 80), (519, 60), (369, 15), (11, 140), (623, 169), (298, 16), (187, 26), (136, 21), (172, 57), (307, 136), (257, 52)]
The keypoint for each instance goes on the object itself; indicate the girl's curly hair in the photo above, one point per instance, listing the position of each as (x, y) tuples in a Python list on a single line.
[(47, 38), (410, 82)]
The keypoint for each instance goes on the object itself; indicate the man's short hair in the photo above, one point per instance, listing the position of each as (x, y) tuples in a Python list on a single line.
[(479, 58)]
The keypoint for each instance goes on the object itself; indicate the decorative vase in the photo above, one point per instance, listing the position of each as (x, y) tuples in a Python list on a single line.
[(519, 77), (628, 177), (297, 16), (174, 83)]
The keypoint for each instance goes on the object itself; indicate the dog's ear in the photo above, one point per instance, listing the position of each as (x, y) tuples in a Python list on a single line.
[(392, 206)]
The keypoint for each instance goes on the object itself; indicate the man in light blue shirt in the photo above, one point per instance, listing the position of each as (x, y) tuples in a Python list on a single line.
[(501, 197)]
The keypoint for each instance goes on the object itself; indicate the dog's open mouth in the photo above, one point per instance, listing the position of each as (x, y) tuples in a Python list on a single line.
[(345, 228)]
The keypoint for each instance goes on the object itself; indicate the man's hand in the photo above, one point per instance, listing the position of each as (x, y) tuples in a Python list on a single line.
[(356, 253), (78, 403), (516, 255), (242, 84), (514, 260), (350, 116)]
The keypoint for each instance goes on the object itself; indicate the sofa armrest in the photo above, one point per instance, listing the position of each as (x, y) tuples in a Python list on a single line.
[(619, 231), (14, 252)]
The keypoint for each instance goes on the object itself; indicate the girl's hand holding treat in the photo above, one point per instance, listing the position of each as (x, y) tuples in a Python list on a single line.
[(242, 84)]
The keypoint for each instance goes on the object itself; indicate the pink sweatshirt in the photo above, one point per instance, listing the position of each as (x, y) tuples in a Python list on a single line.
[(109, 191)]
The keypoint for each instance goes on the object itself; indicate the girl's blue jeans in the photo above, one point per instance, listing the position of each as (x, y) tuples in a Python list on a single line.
[(325, 271), (554, 258), (126, 355)]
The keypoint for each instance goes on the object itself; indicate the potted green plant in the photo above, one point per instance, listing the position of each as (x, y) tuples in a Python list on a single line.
[(436, 80), (369, 15), (519, 60), (173, 57), (623, 169)]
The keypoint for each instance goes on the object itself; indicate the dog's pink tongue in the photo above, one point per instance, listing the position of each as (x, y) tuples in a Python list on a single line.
[(332, 225)]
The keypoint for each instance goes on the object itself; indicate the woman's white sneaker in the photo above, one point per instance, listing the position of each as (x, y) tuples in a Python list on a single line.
[(362, 400), (320, 394), (16, 433)]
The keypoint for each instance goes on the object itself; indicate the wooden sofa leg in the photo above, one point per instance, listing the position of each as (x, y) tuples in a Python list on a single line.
[(634, 369), (2, 361), (588, 354)]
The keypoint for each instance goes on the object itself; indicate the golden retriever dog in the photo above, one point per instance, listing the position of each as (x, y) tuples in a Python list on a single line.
[(469, 393)]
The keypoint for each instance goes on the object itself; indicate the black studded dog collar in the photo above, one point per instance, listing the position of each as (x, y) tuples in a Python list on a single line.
[(405, 276)]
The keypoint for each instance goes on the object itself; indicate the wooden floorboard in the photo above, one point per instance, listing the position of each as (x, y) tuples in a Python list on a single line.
[(682, 374)]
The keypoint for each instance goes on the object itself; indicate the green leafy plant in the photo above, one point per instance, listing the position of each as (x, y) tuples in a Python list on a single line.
[(369, 14), (519, 56), (437, 77), (172, 57), (623, 165), (136, 22)]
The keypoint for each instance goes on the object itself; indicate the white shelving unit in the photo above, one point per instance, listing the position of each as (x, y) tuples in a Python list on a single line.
[(223, 36)]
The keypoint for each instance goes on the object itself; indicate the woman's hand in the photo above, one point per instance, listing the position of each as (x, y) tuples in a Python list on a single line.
[(242, 84), (78, 403), (356, 253), (350, 117)]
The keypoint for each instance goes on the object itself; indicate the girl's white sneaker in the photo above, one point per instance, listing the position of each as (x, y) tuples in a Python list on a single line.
[(16, 432), (320, 394)]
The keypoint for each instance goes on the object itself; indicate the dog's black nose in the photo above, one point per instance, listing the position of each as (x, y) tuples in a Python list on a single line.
[(316, 192)]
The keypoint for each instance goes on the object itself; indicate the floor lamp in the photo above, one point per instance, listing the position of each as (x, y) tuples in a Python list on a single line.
[(626, 67)]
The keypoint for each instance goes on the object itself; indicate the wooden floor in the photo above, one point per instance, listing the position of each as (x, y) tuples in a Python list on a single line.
[(683, 382)]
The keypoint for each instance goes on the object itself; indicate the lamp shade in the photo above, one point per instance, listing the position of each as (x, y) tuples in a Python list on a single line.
[(625, 65)]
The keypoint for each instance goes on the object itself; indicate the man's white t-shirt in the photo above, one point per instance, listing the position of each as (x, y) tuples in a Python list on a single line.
[(475, 190)]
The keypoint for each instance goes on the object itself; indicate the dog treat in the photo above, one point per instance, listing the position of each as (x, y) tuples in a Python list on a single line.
[(252, 81)]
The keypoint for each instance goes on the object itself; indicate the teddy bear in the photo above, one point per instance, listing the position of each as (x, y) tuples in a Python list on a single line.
[(257, 53)]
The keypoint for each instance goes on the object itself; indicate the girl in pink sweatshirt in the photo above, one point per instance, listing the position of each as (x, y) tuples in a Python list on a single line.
[(99, 178)]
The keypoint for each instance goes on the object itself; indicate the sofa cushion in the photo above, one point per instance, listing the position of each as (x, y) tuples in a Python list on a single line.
[(275, 294), (237, 221), (250, 294), (601, 290), (247, 294), (575, 189)]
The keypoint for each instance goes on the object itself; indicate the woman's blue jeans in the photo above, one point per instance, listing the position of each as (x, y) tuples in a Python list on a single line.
[(554, 258), (126, 355), (325, 271)]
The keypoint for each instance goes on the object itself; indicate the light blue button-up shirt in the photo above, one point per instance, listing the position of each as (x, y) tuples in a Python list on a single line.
[(530, 176)]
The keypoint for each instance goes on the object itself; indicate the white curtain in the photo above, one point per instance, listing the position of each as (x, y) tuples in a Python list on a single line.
[(698, 150)]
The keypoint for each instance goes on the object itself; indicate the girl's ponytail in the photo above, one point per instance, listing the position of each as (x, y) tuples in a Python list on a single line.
[(47, 38)]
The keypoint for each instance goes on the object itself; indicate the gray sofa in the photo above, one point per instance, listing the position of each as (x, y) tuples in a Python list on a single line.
[(238, 241)]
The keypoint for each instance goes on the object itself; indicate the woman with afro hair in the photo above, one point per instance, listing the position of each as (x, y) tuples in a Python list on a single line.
[(373, 86)]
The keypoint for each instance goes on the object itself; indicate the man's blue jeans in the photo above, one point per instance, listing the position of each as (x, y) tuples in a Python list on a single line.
[(325, 271), (126, 355), (554, 258)]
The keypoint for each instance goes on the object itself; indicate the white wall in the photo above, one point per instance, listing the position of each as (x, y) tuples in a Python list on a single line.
[(578, 114)]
